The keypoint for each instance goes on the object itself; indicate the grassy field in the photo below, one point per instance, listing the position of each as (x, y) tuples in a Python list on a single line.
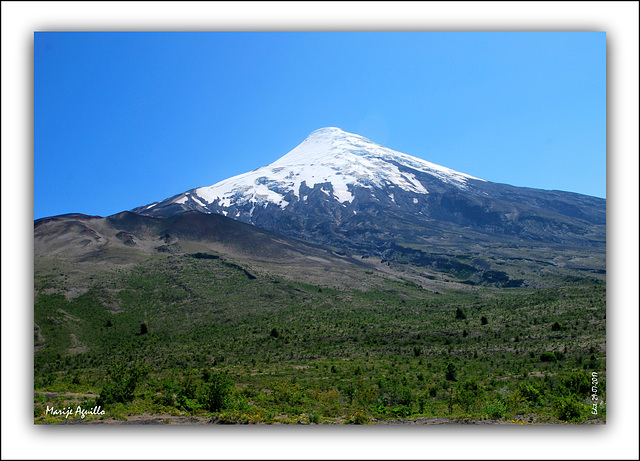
[(201, 335)]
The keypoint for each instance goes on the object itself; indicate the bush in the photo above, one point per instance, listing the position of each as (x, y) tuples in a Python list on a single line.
[(164, 399), (291, 393), (365, 395), (529, 393), (467, 395), (401, 411), (496, 410), (121, 385), (577, 383), (188, 387), (402, 395), (359, 417), (567, 409), (218, 392)]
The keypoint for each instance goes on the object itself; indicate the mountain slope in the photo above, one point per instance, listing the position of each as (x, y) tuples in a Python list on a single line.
[(334, 176), (342, 190), (86, 246)]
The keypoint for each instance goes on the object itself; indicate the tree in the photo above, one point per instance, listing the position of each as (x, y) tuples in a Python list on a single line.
[(483, 320), (450, 375), (460, 314), (548, 357)]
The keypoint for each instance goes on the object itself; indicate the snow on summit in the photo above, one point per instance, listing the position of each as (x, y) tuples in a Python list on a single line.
[(328, 155)]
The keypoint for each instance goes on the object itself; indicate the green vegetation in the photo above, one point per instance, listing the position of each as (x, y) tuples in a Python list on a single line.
[(196, 335)]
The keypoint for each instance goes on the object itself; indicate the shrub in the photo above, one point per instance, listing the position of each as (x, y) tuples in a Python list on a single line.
[(594, 363), (289, 393), (401, 412), (515, 401), (348, 390), (577, 383), (496, 410), (121, 385), (529, 393), (218, 392), (467, 395), (188, 387), (163, 399), (402, 395), (365, 395), (359, 417), (567, 409), (556, 327)]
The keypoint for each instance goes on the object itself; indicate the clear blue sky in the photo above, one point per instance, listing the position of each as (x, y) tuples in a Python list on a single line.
[(125, 119)]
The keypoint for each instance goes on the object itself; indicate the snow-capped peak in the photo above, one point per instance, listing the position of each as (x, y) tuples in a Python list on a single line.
[(328, 155)]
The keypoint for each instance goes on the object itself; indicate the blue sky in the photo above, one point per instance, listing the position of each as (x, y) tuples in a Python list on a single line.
[(125, 119)]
